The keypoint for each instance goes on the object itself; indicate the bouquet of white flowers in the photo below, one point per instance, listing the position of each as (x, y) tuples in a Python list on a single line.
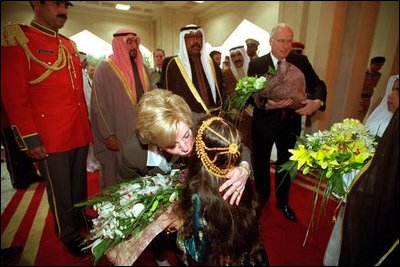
[(124, 210)]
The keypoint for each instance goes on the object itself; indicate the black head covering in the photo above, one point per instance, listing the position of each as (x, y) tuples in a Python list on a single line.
[(371, 219)]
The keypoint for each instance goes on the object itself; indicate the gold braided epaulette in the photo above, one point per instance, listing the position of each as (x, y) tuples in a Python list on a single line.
[(12, 35), (74, 46), (72, 42)]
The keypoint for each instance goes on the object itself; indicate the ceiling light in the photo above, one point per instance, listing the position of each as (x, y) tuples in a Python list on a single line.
[(122, 7), (199, 2)]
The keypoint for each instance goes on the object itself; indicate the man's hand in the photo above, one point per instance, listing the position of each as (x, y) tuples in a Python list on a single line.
[(236, 182), (258, 100), (37, 153), (271, 104), (112, 143), (310, 106)]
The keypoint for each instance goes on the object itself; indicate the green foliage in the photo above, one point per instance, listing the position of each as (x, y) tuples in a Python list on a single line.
[(92, 60), (147, 60), (245, 88)]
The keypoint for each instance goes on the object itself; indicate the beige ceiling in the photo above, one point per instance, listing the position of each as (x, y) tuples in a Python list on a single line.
[(148, 9)]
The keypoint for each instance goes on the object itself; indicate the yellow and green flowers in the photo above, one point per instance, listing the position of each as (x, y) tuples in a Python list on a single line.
[(346, 147)]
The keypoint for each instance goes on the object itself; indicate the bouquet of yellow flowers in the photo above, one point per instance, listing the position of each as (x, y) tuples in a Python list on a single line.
[(335, 156), (124, 210), (345, 148)]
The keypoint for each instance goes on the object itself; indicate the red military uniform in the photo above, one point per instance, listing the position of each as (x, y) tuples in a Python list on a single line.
[(44, 110), (42, 93)]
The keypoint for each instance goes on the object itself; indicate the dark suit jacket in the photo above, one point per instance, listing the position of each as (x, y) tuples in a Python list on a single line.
[(316, 88), (134, 158)]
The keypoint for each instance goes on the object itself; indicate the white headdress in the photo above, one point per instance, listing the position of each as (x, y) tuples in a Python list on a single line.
[(204, 57), (246, 61), (379, 119)]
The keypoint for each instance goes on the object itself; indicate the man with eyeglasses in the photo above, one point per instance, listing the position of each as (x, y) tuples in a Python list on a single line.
[(42, 92), (274, 122)]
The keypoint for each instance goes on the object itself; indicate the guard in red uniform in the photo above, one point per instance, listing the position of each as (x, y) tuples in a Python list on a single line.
[(42, 93)]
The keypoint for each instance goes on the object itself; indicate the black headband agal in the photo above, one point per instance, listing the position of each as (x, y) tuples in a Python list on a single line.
[(123, 34), (236, 47), (190, 28)]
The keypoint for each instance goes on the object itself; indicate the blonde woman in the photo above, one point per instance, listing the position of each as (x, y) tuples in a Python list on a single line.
[(163, 140)]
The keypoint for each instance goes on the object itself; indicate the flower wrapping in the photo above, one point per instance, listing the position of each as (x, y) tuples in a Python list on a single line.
[(125, 210), (127, 252), (288, 82)]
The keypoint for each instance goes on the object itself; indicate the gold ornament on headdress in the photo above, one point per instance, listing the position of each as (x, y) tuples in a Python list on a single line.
[(201, 149)]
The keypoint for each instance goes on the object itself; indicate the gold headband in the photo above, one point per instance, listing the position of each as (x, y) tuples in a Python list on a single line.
[(232, 149)]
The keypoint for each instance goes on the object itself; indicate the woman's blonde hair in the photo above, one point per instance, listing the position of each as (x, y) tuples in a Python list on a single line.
[(158, 114)]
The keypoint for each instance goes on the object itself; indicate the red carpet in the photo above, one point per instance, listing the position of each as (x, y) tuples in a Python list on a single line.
[(27, 222)]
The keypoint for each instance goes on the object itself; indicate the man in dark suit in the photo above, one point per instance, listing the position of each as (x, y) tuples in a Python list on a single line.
[(155, 73), (274, 122)]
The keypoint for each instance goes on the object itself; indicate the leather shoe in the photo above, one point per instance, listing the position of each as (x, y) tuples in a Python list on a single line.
[(37, 178), (75, 246), (9, 252), (288, 212)]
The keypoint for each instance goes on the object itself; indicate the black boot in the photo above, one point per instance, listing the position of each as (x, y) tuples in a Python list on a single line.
[(9, 252)]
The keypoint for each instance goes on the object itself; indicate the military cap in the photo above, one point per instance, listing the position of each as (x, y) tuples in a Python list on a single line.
[(298, 45), (226, 60), (69, 3), (252, 41), (378, 60), (82, 56)]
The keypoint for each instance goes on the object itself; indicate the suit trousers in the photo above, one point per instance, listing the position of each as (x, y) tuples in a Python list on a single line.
[(282, 128)]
